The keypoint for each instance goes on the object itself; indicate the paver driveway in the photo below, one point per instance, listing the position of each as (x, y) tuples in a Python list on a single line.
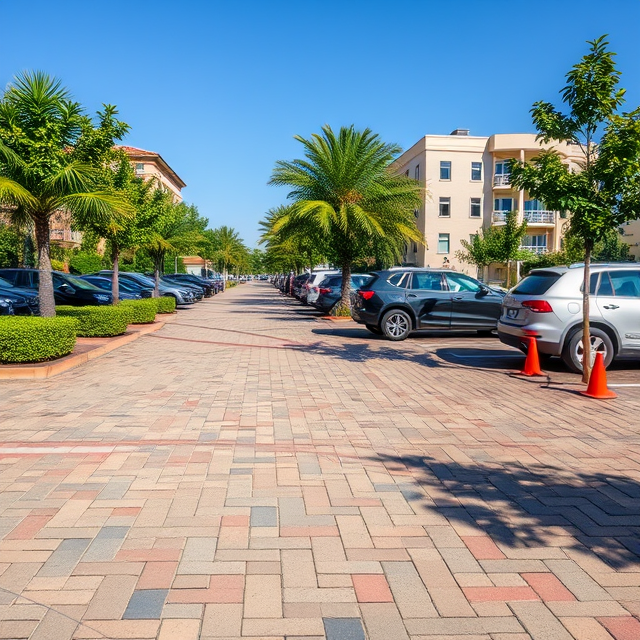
[(251, 472)]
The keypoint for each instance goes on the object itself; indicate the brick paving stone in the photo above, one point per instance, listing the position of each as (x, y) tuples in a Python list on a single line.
[(548, 587), (539, 622), (383, 621), (264, 517), (343, 629), (64, 559), (145, 604), (586, 629), (179, 630), (371, 588), (112, 597), (622, 628)]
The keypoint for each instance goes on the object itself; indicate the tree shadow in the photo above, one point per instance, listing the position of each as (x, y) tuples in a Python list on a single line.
[(524, 507)]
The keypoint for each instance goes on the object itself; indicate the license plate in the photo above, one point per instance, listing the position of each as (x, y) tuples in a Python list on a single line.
[(512, 313)]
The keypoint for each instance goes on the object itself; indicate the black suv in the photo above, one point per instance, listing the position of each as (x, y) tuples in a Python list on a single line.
[(67, 289), (399, 301)]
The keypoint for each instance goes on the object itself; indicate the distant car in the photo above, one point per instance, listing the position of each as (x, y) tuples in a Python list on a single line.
[(67, 289), (316, 277), (330, 290), (187, 278), (182, 296), (299, 289), (126, 291), (396, 302), (30, 298), (547, 305)]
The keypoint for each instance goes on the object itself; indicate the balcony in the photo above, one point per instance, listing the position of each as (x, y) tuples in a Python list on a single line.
[(66, 235), (540, 217), (502, 180), (533, 249)]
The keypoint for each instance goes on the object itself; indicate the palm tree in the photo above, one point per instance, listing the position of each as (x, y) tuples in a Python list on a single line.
[(46, 143), (345, 193), (229, 248)]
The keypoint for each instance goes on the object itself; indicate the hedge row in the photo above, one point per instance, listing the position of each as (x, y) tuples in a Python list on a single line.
[(141, 311), (166, 304), (97, 322), (35, 339)]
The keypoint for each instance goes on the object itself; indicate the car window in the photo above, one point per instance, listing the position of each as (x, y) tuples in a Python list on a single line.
[(360, 281), (79, 282), (332, 282), (10, 276), (427, 281), (458, 282), (6, 284), (605, 288), (400, 279), (625, 284), (537, 283)]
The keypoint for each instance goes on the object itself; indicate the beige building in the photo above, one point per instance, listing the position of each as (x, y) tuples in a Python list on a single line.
[(468, 187), (631, 235), (148, 165)]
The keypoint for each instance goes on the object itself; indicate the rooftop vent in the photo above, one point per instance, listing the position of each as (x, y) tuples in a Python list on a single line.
[(459, 132)]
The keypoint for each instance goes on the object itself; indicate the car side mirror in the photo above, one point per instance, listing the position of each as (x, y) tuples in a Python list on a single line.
[(484, 291)]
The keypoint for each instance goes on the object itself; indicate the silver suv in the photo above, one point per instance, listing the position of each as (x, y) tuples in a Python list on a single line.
[(547, 305)]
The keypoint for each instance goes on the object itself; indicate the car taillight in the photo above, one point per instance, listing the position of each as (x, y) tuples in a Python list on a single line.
[(539, 306), (322, 291), (367, 295)]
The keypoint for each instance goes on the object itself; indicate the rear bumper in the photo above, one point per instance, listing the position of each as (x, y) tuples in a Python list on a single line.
[(516, 337)]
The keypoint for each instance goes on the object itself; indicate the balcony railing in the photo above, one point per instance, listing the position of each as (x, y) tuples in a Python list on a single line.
[(533, 249), (540, 217), (500, 216), (66, 235), (502, 180)]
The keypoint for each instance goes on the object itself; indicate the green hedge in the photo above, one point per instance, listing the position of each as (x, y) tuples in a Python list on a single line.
[(165, 304), (97, 322), (141, 311), (33, 339)]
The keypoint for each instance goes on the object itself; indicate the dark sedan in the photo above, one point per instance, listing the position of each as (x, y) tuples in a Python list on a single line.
[(187, 278), (126, 290), (67, 289), (330, 290), (26, 297), (398, 301)]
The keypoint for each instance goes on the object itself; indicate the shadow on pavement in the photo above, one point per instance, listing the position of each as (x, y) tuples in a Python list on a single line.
[(529, 507)]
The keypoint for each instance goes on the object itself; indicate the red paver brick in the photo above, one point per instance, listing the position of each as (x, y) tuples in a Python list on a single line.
[(548, 587), (622, 628), (222, 589), (126, 511), (371, 588), (503, 594), (27, 529), (235, 521), (148, 555), (483, 548), (157, 575)]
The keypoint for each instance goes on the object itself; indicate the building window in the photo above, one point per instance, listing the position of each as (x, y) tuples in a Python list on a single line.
[(415, 247), (476, 170), (444, 210), (445, 170), (416, 172), (443, 243), (406, 173), (139, 166), (503, 204), (475, 208)]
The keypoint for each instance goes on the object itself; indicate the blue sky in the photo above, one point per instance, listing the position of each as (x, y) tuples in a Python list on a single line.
[(220, 89)]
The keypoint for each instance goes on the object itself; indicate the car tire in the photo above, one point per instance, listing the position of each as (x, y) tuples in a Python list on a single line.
[(374, 329), (396, 325), (485, 333), (600, 341)]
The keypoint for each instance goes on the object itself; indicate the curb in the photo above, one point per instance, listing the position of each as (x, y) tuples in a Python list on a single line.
[(336, 318), (50, 369)]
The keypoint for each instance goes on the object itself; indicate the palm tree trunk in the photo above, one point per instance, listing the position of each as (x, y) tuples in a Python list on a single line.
[(586, 337), (115, 282), (158, 260), (345, 299), (45, 282)]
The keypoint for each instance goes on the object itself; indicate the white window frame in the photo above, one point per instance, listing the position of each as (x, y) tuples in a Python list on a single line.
[(450, 169), (448, 203), (478, 217), (476, 179), (441, 236)]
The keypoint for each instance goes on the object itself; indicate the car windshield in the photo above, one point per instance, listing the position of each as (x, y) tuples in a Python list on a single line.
[(138, 277), (537, 284), (5, 284), (79, 282)]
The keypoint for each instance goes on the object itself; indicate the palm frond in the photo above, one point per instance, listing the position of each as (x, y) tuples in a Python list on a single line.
[(96, 206), (14, 194)]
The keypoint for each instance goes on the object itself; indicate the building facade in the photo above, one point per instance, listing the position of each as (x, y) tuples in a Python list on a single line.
[(468, 188)]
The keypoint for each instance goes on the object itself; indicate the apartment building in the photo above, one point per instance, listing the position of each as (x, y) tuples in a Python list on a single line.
[(468, 188), (148, 165)]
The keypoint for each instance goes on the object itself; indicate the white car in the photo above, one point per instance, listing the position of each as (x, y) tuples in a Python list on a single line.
[(312, 283)]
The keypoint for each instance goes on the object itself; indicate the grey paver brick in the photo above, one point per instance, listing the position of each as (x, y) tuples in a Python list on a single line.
[(264, 517), (146, 604), (63, 560), (343, 629), (539, 622)]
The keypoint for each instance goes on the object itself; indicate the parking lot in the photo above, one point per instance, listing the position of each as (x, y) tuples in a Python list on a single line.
[(255, 471)]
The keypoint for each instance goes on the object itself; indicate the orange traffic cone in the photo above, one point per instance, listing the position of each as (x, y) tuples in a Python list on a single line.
[(532, 363), (597, 387)]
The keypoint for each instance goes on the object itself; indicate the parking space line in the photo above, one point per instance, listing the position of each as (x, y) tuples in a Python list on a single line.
[(624, 385), (515, 355)]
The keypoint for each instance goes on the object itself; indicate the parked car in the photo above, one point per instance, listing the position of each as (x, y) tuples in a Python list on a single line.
[(182, 296), (396, 302), (330, 290), (311, 286), (547, 305), (197, 290), (298, 285), (126, 290), (6, 306), (30, 298), (14, 304), (67, 289), (207, 286)]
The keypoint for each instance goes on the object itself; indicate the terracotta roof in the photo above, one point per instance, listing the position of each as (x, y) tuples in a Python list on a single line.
[(135, 152)]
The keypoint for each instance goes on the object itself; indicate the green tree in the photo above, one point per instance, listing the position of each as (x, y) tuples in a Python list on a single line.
[(11, 246), (604, 192), (227, 249), (345, 193), (508, 242), (481, 249), (45, 142)]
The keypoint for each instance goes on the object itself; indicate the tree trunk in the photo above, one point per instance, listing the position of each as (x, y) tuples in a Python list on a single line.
[(45, 282), (508, 274), (115, 281), (345, 299), (159, 260), (586, 337)]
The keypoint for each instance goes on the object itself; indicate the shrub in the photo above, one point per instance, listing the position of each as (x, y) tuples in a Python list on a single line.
[(141, 311), (58, 265), (97, 322), (33, 339), (85, 262), (230, 283), (165, 304)]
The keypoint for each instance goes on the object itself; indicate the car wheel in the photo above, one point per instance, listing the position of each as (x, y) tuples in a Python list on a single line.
[(396, 324), (600, 342), (374, 329)]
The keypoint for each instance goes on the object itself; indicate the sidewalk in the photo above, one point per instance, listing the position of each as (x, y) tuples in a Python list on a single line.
[(251, 472)]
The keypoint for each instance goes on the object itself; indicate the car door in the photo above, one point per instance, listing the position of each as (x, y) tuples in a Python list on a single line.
[(618, 301), (472, 305), (430, 300)]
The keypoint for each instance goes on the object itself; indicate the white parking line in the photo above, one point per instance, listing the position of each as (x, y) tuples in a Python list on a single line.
[(624, 385), (488, 355)]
